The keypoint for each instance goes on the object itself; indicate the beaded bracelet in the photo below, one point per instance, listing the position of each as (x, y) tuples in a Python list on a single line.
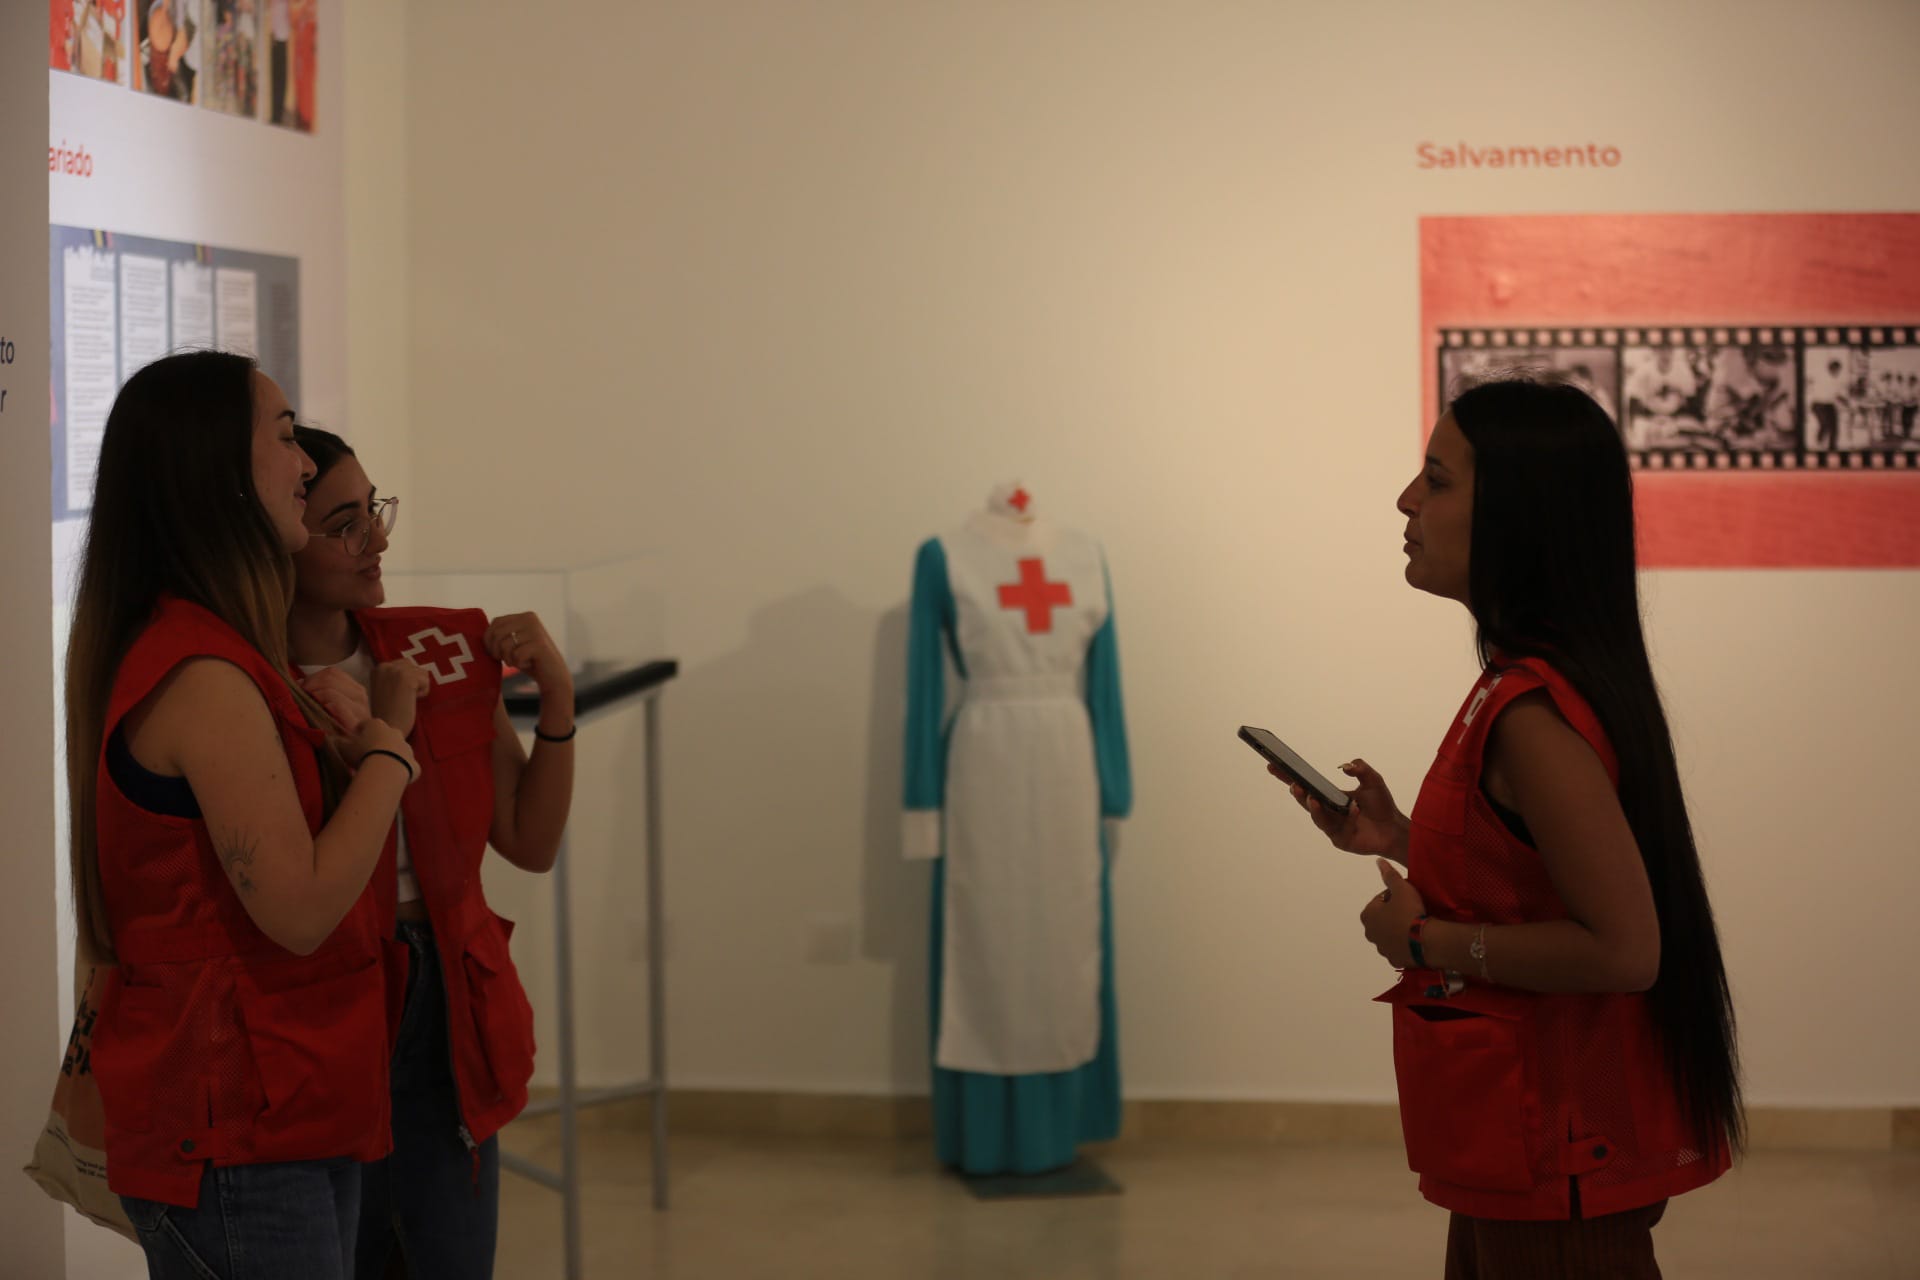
[(1413, 942)]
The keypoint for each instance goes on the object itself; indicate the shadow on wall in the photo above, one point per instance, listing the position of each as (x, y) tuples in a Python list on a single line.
[(606, 837), (606, 906), (897, 891), (778, 777)]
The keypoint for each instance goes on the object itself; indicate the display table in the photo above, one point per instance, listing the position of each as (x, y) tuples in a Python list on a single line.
[(601, 689)]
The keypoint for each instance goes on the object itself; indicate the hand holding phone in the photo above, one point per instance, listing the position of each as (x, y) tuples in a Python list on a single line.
[(1366, 821), (1283, 758)]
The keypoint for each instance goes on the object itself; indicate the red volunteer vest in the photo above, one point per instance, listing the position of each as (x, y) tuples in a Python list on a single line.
[(214, 1043), (448, 813), (1503, 1112)]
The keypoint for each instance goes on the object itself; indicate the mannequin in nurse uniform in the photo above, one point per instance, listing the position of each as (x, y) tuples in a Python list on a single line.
[(1011, 803)]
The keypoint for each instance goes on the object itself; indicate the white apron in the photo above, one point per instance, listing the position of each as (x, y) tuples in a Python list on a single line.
[(1021, 987)]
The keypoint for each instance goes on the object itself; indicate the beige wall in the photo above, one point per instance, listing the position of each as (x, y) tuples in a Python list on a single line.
[(202, 177), (30, 1002), (777, 290), (376, 197)]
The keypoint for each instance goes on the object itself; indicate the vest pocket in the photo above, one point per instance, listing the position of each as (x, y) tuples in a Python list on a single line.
[(502, 1016), (1442, 803), (319, 1050), (1464, 1097), (457, 726), (132, 1054)]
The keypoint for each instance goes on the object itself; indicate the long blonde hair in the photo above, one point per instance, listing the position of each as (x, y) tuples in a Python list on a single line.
[(175, 513)]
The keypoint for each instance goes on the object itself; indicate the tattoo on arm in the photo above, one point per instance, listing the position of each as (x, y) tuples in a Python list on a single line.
[(236, 855)]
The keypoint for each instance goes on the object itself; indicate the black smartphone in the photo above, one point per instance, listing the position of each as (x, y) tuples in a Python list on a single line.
[(1281, 755)]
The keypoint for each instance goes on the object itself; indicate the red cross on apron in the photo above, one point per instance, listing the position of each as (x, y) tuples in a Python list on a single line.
[(1034, 594)]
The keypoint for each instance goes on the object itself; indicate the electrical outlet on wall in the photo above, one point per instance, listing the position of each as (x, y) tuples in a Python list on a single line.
[(831, 940)]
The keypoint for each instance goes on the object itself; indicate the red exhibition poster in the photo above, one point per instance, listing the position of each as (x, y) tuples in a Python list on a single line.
[(1764, 368)]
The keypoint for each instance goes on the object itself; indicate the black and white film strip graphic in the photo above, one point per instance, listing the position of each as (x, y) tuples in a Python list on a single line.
[(1726, 397)]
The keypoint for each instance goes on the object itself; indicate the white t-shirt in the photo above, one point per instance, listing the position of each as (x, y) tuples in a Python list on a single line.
[(360, 667)]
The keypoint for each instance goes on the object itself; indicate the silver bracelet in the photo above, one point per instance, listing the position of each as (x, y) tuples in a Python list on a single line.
[(1478, 950)]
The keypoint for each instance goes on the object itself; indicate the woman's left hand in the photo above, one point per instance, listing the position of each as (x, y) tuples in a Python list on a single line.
[(521, 640), (1387, 916)]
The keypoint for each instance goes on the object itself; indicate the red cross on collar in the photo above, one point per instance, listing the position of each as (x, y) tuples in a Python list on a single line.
[(1034, 594), (1020, 501)]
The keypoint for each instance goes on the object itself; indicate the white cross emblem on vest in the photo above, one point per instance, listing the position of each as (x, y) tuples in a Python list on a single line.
[(429, 647), (1473, 708)]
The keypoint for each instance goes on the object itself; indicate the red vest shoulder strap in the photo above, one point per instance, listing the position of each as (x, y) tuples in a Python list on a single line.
[(1502, 684), (417, 615), (448, 642), (389, 631), (177, 631)]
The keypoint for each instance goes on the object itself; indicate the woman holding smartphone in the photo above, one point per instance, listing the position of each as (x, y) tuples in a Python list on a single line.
[(1563, 1030)]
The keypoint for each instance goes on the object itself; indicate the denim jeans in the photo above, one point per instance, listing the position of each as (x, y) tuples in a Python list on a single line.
[(291, 1221), (436, 1197)]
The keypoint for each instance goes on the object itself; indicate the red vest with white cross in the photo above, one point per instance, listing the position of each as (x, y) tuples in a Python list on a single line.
[(448, 813), (1505, 1109)]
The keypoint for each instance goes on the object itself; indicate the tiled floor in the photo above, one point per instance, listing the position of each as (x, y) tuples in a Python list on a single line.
[(855, 1210)]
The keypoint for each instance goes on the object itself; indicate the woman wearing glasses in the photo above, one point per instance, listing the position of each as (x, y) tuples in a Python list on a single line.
[(465, 1045)]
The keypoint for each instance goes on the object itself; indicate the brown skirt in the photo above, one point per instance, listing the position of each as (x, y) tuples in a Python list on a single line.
[(1616, 1247)]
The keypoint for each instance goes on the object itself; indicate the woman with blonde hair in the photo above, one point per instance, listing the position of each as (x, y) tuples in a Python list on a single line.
[(224, 837)]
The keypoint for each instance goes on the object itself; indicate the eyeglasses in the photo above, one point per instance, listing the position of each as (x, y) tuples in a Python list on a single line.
[(357, 536)]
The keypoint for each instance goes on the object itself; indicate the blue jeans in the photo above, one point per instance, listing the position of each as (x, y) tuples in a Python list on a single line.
[(292, 1221), (436, 1198)]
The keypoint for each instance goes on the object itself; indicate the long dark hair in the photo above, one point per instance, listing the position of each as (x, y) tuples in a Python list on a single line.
[(174, 512), (1552, 575)]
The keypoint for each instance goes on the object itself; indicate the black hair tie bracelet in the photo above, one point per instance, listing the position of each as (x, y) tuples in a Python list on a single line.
[(394, 755)]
